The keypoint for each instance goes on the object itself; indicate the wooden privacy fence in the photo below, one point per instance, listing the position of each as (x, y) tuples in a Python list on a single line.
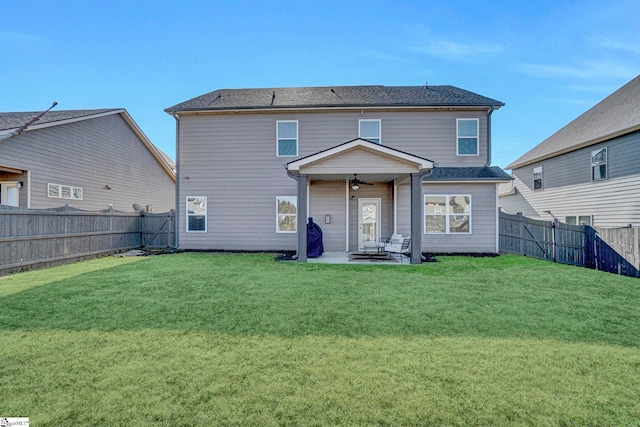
[(567, 244), (30, 238)]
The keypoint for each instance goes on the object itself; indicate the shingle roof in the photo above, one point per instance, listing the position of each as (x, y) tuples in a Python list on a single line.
[(336, 96), (491, 173), (617, 114), (15, 120)]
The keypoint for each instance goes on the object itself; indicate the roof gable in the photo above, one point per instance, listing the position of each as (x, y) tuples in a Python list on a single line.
[(368, 147), (335, 96), (616, 115)]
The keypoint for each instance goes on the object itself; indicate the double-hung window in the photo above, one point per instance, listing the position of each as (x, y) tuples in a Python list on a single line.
[(287, 138), (286, 214), (447, 214), (599, 164), (467, 137), (537, 178), (371, 130), (197, 213)]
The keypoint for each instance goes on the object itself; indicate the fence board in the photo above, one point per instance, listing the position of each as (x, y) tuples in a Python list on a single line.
[(31, 238), (578, 245)]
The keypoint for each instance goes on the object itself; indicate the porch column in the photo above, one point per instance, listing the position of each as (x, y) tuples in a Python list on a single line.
[(416, 218), (302, 218)]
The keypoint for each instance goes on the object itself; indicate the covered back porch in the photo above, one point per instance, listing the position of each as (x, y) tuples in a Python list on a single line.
[(352, 192)]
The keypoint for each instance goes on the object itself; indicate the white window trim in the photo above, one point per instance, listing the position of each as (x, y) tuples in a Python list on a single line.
[(72, 192), (379, 129), (278, 214), (4, 186), (606, 163), (447, 214), (278, 137), (187, 215), (577, 217), (541, 178), (477, 138)]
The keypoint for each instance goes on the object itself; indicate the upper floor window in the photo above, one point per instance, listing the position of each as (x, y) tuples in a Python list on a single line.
[(64, 192), (286, 214), (599, 164), (197, 213), (370, 130), (287, 138), (467, 137), (447, 214), (537, 178)]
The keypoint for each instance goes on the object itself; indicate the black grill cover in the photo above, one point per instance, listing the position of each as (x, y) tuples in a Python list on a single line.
[(314, 239)]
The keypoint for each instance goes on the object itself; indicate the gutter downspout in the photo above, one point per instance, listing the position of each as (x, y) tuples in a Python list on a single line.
[(177, 193), (491, 109)]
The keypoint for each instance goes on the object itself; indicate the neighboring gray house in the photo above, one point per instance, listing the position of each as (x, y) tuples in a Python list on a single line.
[(363, 161), (586, 173), (87, 159)]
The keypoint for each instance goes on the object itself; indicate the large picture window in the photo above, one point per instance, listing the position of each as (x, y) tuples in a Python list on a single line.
[(467, 137), (197, 214), (286, 214), (447, 214), (599, 164), (287, 136), (370, 130)]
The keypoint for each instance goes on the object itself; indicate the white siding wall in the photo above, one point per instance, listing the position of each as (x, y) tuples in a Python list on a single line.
[(90, 154)]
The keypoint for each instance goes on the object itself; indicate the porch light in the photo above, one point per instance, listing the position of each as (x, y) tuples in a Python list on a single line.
[(355, 187)]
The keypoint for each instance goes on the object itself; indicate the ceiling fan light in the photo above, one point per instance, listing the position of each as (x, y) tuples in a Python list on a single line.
[(355, 187)]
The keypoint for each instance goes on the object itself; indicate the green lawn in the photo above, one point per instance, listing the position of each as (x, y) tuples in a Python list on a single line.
[(219, 339)]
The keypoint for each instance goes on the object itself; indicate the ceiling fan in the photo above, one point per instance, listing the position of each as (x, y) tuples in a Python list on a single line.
[(356, 183)]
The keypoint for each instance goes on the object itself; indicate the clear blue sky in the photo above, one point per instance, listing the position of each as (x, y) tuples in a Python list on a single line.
[(549, 61)]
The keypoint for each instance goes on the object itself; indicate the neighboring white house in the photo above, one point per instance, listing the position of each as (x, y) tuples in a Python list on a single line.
[(586, 173), (364, 161), (86, 159)]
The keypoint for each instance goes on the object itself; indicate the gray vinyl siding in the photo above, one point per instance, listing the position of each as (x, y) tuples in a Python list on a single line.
[(329, 198), (623, 159), (568, 189), (483, 218), (232, 160), (90, 154)]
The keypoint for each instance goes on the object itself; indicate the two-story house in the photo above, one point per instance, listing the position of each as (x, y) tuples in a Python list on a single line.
[(363, 161), (85, 159), (588, 172)]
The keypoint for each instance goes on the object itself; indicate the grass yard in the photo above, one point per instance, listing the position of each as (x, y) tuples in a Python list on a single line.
[(221, 339)]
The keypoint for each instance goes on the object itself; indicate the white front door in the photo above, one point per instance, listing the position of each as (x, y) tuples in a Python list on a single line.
[(9, 194), (368, 222)]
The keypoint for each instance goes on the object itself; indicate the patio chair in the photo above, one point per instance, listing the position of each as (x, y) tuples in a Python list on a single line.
[(395, 239), (400, 249)]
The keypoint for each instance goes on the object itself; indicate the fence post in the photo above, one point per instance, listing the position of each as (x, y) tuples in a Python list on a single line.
[(523, 247), (554, 228)]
